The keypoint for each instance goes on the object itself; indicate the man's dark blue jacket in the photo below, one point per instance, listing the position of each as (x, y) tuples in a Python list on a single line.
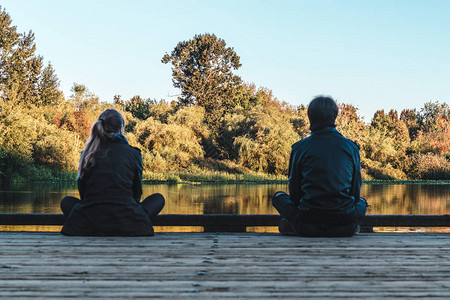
[(325, 173)]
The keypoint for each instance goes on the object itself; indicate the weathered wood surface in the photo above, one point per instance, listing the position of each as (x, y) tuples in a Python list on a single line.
[(236, 223), (225, 265)]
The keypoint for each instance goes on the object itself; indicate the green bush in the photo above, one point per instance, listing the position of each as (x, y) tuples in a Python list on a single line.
[(57, 150), (261, 138), (175, 144)]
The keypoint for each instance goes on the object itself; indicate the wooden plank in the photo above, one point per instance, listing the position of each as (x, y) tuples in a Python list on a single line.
[(225, 265)]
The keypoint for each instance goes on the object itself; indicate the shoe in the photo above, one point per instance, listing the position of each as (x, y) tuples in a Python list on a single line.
[(358, 229), (278, 194), (285, 227)]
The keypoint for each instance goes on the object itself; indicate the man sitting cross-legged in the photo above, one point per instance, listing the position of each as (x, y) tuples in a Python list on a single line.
[(324, 180)]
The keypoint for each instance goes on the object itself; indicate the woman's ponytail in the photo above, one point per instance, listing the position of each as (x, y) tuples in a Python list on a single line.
[(109, 123)]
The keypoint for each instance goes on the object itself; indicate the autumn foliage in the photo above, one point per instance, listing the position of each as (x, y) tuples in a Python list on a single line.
[(219, 124)]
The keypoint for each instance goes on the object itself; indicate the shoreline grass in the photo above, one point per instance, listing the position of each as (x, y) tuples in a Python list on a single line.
[(213, 178), (207, 177), (407, 181)]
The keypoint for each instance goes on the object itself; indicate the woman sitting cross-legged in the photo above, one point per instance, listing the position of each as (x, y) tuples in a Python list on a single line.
[(110, 186)]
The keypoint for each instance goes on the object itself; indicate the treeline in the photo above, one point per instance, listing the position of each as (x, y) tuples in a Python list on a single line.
[(220, 128)]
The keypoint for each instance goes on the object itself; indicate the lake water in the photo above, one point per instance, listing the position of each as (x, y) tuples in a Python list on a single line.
[(233, 198)]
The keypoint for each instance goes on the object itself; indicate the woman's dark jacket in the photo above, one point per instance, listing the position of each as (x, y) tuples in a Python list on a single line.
[(110, 192), (325, 174)]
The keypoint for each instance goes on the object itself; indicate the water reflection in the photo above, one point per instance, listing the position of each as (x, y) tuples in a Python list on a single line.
[(405, 199), (213, 199), (232, 199), (34, 198)]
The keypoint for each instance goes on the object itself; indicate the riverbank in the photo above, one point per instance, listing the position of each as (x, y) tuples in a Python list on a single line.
[(213, 177), (207, 177), (258, 178)]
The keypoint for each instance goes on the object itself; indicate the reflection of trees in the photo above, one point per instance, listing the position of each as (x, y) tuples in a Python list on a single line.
[(34, 198), (407, 199), (234, 199), (216, 199), (180, 198), (255, 199)]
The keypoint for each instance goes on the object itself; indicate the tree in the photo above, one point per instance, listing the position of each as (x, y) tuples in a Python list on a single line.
[(350, 124), (57, 150), (83, 99), (409, 117), (9, 39), (191, 117), (203, 69), (434, 133), (49, 92), (177, 145), (260, 138), (431, 114), (138, 107), (20, 68), (435, 141), (391, 126), (300, 121)]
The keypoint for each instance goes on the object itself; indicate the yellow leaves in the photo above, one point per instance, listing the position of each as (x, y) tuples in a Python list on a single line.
[(430, 166), (27, 135), (57, 150), (263, 137), (174, 143)]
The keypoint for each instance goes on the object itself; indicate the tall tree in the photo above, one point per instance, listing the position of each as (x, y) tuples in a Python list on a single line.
[(381, 120), (434, 119), (350, 123), (49, 91), (9, 38), (203, 69), (20, 67), (409, 116), (431, 114), (83, 99), (138, 107)]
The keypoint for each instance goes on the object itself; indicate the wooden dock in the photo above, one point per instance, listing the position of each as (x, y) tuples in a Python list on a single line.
[(224, 265)]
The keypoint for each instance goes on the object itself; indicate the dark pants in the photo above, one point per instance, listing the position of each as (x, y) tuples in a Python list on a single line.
[(153, 204), (296, 215)]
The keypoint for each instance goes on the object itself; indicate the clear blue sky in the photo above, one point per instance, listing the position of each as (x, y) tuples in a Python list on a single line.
[(372, 54)]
